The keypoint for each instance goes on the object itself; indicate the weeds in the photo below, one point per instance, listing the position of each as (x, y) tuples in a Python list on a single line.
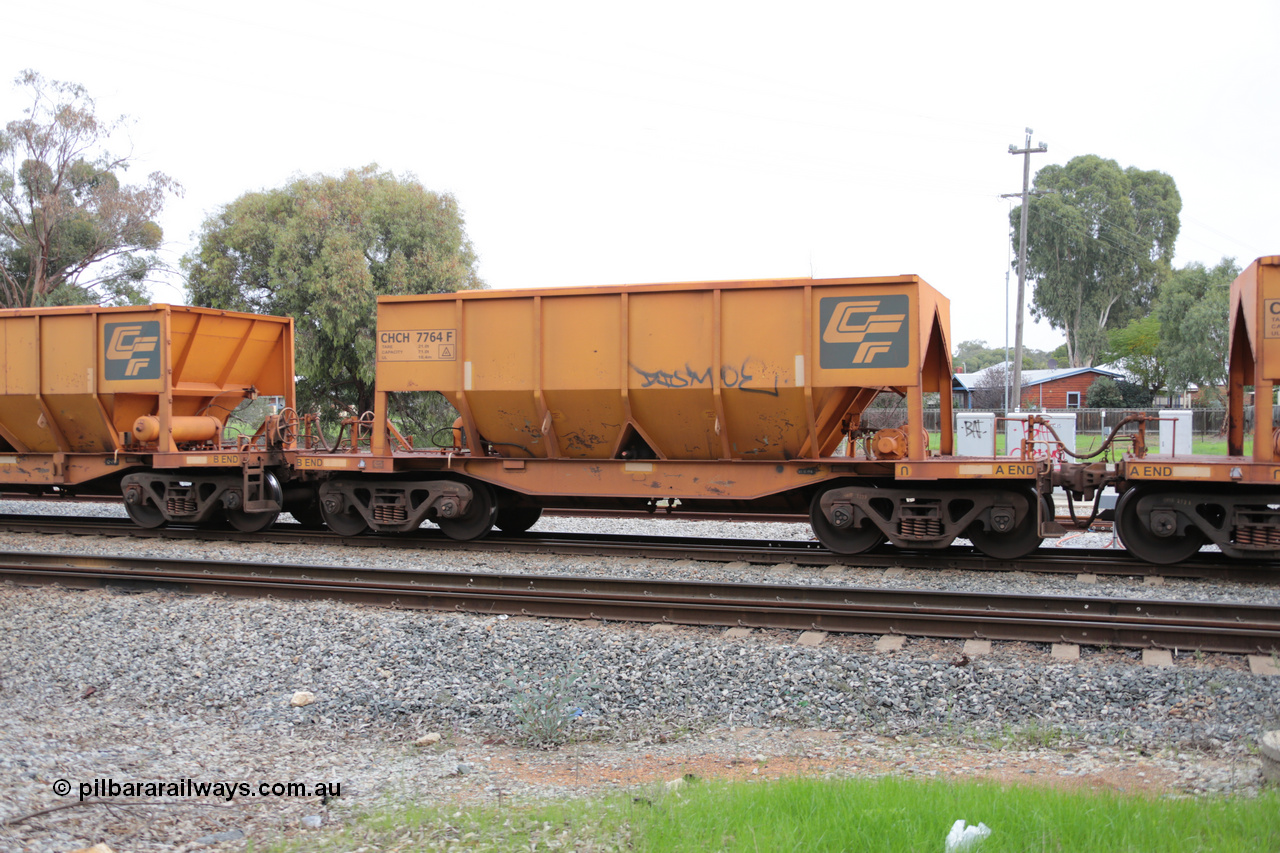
[(546, 705), (1033, 734)]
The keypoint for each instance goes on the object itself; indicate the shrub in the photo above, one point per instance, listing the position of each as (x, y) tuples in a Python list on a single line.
[(1104, 393)]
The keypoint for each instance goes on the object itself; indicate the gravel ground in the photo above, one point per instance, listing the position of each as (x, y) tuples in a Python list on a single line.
[(159, 687)]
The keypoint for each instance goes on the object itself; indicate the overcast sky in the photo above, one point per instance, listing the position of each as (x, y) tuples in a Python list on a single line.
[(607, 143)]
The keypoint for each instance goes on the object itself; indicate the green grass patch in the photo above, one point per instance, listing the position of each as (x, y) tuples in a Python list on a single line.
[(883, 815), (904, 815), (571, 825), (1089, 443), (1218, 447)]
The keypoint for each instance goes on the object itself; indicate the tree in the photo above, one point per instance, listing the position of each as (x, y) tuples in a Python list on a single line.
[(991, 390), (1139, 349), (1134, 395), (1192, 311), (321, 250), (1103, 393), (1099, 243), (976, 356), (70, 231)]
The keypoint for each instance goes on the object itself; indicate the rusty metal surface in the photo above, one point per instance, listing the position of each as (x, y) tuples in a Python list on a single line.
[(1209, 626), (1254, 320), (748, 370), (75, 381)]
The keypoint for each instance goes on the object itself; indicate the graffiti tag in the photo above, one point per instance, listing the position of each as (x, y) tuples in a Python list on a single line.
[(688, 377)]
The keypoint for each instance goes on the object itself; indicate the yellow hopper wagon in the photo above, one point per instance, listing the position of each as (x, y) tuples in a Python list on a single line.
[(711, 396), (136, 400)]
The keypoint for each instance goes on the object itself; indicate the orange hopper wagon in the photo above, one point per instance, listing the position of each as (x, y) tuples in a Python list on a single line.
[(91, 396), (732, 396)]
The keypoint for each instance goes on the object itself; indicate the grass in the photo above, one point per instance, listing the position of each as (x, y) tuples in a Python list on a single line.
[(885, 815), (906, 815), (1199, 446), (1088, 443)]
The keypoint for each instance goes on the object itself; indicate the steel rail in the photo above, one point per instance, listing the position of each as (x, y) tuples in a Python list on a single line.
[(1207, 626), (557, 512), (1045, 560)]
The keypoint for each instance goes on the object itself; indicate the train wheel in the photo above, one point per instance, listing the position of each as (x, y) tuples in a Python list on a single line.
[(145, 515), (517, 519), (842, 540), (1012, 544), (309, 516), (253, 522), (250, 522), (345, 522), (1143, 542), (479, 517)]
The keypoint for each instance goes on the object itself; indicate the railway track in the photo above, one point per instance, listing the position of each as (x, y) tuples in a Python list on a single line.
[(1208, 626), (1206, 565), (661, 513)]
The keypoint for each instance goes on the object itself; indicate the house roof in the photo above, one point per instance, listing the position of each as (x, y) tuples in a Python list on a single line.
[(970, 381)]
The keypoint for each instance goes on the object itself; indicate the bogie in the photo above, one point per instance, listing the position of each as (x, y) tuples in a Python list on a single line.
[(463, 510), (203, 497), (850, 518)]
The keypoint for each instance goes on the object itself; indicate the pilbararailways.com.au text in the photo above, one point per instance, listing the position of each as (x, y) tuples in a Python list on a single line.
[(228, 791)]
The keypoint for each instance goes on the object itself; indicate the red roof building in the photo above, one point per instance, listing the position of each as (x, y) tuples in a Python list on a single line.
[(1061, 388)]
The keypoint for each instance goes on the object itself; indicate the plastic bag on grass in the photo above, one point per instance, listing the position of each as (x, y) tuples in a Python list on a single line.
[(963, 837)]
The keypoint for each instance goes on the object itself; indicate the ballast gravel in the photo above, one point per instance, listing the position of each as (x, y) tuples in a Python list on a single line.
[(159, 687)]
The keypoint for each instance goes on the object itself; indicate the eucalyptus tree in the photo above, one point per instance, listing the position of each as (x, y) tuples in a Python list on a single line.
[(1140, 349), (1195, 337), (71, 232), (322, 249), (1100, 240)]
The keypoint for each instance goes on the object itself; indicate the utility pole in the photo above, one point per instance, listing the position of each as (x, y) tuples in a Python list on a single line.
[(1006, 342), (1022, 261)]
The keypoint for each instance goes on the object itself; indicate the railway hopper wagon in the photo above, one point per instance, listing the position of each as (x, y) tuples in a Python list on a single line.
[(715, 396), (135, 400), (707, 396), (1169, 505)]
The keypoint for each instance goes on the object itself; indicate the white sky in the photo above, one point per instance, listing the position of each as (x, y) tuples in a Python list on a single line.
[(605, 143)]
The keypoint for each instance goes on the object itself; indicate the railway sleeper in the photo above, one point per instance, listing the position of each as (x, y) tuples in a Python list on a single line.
[(396, 507)]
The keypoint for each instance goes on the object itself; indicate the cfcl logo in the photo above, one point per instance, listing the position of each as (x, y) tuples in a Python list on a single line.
[(132, 350), (870, 331)]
